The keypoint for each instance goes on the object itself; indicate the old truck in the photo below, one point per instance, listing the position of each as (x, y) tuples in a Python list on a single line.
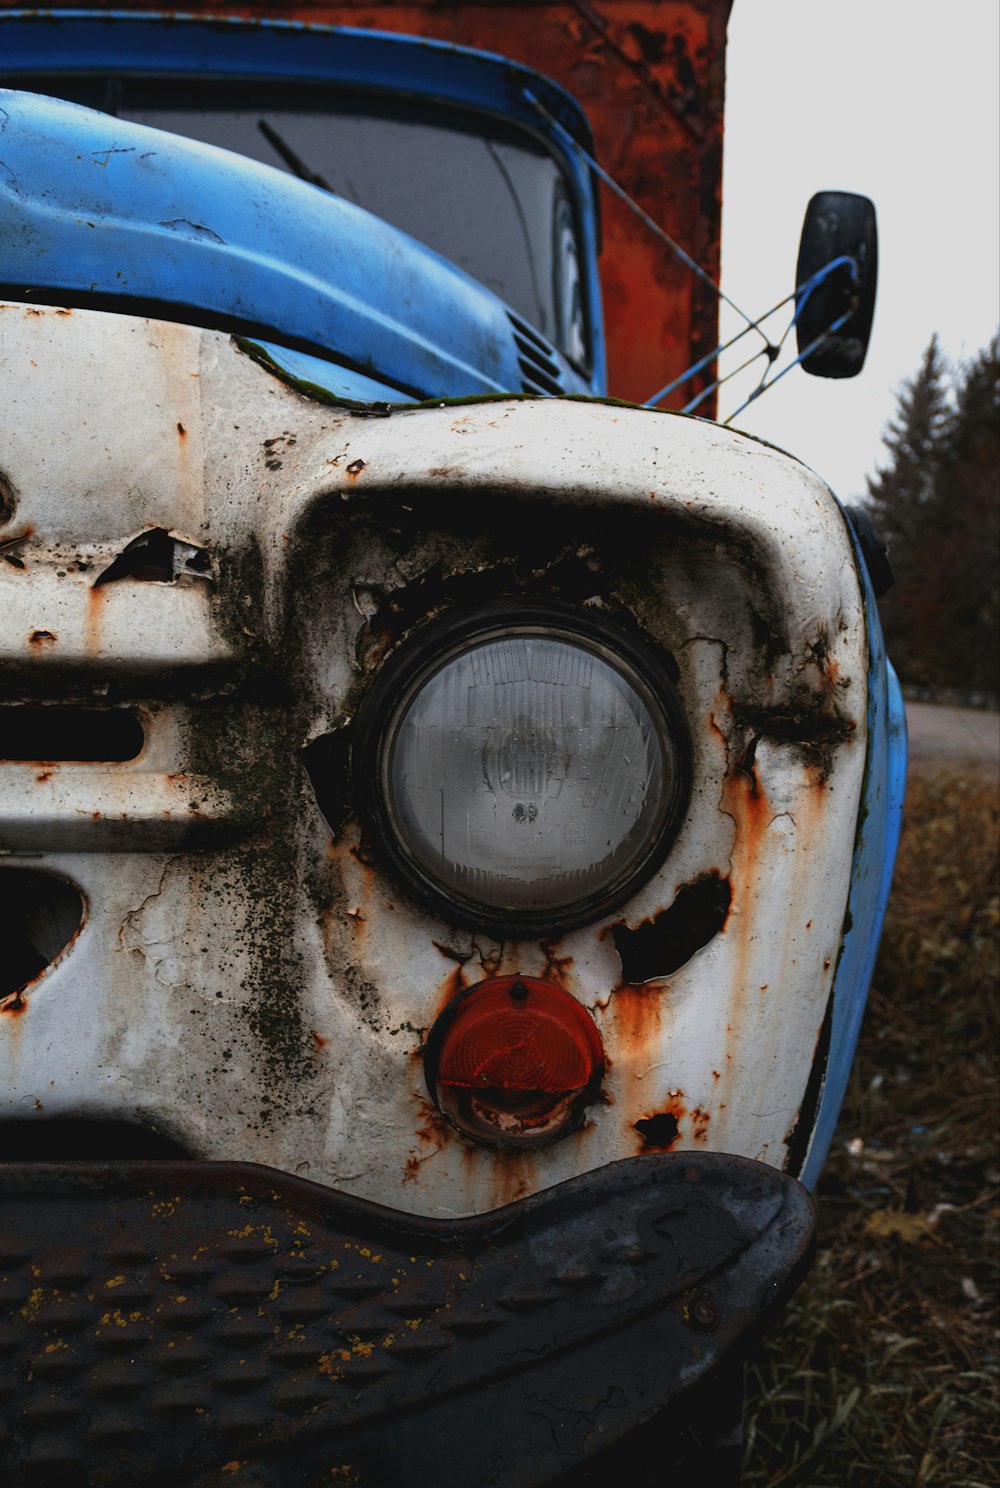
[(446, 812)]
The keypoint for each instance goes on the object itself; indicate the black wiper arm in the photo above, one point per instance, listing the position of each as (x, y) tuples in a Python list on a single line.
[(294, 162)]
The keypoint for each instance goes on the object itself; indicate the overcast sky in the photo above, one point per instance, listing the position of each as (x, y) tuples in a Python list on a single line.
[(897, 99)]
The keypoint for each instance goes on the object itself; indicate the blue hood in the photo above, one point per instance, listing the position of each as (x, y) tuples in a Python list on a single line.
[(98, 211)]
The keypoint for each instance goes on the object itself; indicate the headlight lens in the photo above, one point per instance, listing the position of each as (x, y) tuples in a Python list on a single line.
[(528, 775)]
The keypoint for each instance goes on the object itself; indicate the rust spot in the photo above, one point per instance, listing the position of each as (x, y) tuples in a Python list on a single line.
[(700, 1119), (433, 1127), (637, 1013), (512, 1175), (433, 1133), (95, 607), (714, 728), (13, 538), (452, 986), (181, 429), (557, 968), (355, 467), (42, 638), (661, 945), (746, 801), (319, 1042), (514, 1180), (43, 776)]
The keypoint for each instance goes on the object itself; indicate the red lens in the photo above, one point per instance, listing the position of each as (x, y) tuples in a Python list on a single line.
[(514, 1059)]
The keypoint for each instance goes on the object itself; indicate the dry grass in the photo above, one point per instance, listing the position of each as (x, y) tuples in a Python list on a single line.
[(884, 1370)]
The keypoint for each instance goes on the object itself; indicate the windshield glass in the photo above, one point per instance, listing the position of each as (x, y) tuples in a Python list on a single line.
[(486, 196)]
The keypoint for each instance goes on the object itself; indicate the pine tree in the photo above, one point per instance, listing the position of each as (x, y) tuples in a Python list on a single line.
[(902, 497), (967, 530), (937, 504)]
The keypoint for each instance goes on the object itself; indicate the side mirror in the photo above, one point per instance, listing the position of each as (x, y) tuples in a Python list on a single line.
[(838, 225)]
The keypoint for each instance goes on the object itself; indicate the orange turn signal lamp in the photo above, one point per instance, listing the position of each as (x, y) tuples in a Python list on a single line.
[(514, 1060)]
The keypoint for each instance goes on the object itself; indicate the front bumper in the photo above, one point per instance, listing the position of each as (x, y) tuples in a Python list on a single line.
[(203, 1323)]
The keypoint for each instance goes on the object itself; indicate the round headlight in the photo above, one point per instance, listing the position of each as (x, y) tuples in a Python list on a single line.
[(525, 773)]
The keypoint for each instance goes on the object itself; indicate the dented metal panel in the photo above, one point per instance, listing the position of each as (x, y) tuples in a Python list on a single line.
[(264, 994)]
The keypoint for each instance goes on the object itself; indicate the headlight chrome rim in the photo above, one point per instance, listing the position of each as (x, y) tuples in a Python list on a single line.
[(418, 659)]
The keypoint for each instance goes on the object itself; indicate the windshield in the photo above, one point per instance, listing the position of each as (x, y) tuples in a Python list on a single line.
[(484, 195)]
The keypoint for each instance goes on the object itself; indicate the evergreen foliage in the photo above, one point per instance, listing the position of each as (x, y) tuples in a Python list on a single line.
[(936, 502)]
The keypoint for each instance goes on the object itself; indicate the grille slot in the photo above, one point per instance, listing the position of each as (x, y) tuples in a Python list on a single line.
[(60, 733), (540, 372)]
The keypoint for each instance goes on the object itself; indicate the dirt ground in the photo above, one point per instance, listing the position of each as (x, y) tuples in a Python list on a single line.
[(884, 1372)]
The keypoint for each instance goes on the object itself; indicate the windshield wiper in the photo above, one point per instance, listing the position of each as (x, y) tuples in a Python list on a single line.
[(294, 162)]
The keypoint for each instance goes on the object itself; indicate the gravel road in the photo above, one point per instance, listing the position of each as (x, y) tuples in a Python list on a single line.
[(969, 736)]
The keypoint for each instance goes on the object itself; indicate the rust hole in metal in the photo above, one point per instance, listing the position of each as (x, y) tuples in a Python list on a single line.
[(328, 765), (156, 557), (659, 1131), (8, 501), (42, 638), (663, 944), (58, 733), (40, 916)]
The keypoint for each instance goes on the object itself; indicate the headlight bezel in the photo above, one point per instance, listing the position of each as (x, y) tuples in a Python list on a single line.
[(410, 665)]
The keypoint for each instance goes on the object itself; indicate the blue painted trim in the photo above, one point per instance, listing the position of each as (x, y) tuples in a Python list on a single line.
[(879, 821), (99, 211), (271, 49), (311, 374), (80, 42)]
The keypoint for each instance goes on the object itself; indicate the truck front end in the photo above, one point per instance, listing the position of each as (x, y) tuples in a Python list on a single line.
[(445, 829)]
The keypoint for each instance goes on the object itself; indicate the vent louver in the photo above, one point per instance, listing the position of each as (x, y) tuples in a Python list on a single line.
[(540, 372)]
